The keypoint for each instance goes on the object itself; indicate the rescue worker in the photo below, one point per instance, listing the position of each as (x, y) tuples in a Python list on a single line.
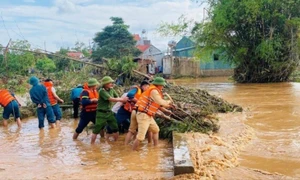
[(89, 99), (39, 96), (123, 114), (75, 97), (10, 105), (126, 111), (147, 106), (53, 98), (104, 114)]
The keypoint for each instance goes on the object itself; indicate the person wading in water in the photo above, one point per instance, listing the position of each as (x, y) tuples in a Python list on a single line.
[(75, 97), (39, 96), (89, 99), (104, 114), (53, 98), (128, 109), (11, 106), (147, 105)]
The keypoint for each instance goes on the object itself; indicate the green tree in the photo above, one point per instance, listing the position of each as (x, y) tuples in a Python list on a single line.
[(45, 65), (260, 37), (18, 60), (115, 41), (81, 47), (62, 63), (1, 49)]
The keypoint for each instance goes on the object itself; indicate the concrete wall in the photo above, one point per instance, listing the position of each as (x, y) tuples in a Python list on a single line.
[(185, 67), (180, 67)]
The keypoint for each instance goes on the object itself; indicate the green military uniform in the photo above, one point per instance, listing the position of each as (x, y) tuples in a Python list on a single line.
[(104, 114)]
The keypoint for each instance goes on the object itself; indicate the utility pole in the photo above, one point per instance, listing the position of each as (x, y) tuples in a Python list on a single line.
[(45, 45), (204, 9), (5, 57)]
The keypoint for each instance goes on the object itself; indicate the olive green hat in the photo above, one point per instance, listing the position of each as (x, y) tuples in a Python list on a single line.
[(159, 81), (92, 82), (106, 80)]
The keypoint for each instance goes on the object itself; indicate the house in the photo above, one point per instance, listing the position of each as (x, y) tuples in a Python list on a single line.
[(146, 66), (212, 65), (149, 51), (75, 55)]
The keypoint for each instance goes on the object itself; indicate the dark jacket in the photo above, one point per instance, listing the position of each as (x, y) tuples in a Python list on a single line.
[(38, 92)]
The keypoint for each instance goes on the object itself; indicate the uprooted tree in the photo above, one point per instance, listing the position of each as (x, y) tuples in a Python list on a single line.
[(260, 37)]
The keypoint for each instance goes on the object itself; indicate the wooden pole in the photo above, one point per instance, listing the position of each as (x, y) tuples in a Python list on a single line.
[(70, 58), (58, 55), (5, 57)]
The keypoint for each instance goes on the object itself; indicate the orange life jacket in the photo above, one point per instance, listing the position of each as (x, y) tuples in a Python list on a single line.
[(85, 85), (92, 95), (146, 104), (129, 105), (5, 97), (51, 97)]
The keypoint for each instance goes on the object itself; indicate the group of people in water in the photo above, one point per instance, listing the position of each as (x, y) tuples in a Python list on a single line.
[(100, 104)]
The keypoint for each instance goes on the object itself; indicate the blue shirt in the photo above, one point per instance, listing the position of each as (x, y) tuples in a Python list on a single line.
[(75, 93)]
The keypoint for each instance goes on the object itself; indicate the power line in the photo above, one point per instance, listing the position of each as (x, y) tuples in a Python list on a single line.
[(5, 26), (18, 34), (20, 31)]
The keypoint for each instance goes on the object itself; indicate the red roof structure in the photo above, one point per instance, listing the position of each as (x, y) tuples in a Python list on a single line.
[(136, 37), (76, 55), (142, 48)]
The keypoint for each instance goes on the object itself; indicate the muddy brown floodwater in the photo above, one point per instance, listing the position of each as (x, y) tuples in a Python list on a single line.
[(261, 143), (273, 113), (29, 153)]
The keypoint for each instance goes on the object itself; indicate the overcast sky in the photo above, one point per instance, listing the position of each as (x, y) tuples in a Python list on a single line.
[(60, 23)]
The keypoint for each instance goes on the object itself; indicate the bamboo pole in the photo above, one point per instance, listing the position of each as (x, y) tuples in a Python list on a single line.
[(70, 58), (57, 55), (5, 57)]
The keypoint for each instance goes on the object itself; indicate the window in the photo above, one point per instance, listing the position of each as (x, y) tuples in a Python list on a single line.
[(216, 57)]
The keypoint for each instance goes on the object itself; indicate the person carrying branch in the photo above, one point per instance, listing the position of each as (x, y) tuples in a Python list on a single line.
[(89, 99), (11, 106), (104, 114), (75, 97), (147, 106), (39, 96), (126, 111)]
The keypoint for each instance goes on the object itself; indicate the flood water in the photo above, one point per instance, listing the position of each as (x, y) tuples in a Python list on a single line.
[(29, 153), (273, 109), (274, 114)]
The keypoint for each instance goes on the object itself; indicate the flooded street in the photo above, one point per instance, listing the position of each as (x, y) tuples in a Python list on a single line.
[(270, 110), (29, 153), (274, 111)]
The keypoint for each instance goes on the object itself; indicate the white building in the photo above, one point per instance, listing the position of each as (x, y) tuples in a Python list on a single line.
[(149, 51)]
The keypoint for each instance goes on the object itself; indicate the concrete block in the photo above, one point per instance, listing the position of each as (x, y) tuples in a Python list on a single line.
[(182, 159)]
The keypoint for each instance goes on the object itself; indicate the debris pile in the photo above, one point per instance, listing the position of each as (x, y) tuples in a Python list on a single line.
[(195, 111)]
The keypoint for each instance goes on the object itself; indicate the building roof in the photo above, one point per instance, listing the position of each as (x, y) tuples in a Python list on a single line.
[(136, 37), (184, 42), (143, 48), (76, 55)]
